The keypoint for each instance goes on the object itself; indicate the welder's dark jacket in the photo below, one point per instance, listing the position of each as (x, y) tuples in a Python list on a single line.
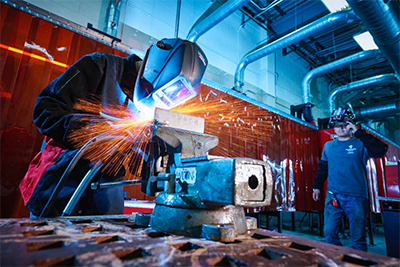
[(111, 79)]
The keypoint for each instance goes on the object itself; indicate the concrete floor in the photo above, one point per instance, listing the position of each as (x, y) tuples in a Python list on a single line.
[(304, 230), (379, 246)]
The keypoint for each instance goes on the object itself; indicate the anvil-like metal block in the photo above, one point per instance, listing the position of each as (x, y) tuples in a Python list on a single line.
[(179, 121), (183, 132)]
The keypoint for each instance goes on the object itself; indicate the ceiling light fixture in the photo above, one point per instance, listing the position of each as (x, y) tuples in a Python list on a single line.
[(335, 5), (365, 41)]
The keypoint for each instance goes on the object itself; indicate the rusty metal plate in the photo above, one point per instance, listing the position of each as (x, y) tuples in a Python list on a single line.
[(118, 241)]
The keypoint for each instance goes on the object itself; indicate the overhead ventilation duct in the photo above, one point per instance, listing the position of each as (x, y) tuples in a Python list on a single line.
[(337, 64), (381, 19), (217, 12), (294, 37), (113, 17), (380, 110), (379, 80)]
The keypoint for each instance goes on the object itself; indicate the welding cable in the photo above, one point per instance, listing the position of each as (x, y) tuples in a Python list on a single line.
[(81, 188), (71, 166)]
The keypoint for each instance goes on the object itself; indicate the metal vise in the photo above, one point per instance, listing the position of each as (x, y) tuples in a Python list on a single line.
[(204, 195)]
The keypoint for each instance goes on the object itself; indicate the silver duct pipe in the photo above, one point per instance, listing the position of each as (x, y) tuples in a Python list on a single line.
[(378, 110), (214, 15), (296, 36), (337, 64), (113, 17), (381, 19), (177, 18), (384, 79)]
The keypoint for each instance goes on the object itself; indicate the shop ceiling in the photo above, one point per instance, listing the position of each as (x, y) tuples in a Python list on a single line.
[(281, 17)]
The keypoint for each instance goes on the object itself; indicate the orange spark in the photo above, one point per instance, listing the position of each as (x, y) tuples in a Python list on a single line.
[(120, 143), (224, 115), (235, 122)]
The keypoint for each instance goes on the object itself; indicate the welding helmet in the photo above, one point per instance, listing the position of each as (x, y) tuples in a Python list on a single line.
[(341, 115), (170, 75)]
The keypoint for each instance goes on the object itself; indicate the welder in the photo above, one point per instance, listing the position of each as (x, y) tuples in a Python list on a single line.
[(169, 75), (344, 162)]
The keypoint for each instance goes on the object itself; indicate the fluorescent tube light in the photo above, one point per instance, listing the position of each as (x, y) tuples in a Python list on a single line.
[(335, 5), (365, 41)]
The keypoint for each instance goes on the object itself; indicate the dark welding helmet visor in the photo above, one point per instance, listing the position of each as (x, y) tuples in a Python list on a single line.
[(170, 75), (341, 115)]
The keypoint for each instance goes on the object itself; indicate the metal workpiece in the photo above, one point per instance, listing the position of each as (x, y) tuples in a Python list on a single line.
[(230, 181), (119, 241)]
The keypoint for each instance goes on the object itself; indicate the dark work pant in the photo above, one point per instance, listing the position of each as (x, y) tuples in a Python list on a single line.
[(356, 209), (109, 200), (105, 201)]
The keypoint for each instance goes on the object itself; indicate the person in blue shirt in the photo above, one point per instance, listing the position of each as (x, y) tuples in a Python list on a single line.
[(344, 162)]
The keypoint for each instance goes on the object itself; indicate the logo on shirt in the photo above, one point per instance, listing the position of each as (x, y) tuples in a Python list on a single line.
[(351, 149)]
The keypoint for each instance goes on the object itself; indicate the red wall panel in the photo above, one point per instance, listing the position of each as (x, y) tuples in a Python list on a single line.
[(22, 79)]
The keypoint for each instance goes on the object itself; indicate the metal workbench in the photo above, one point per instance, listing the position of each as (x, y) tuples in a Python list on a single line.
[(118, 241)]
